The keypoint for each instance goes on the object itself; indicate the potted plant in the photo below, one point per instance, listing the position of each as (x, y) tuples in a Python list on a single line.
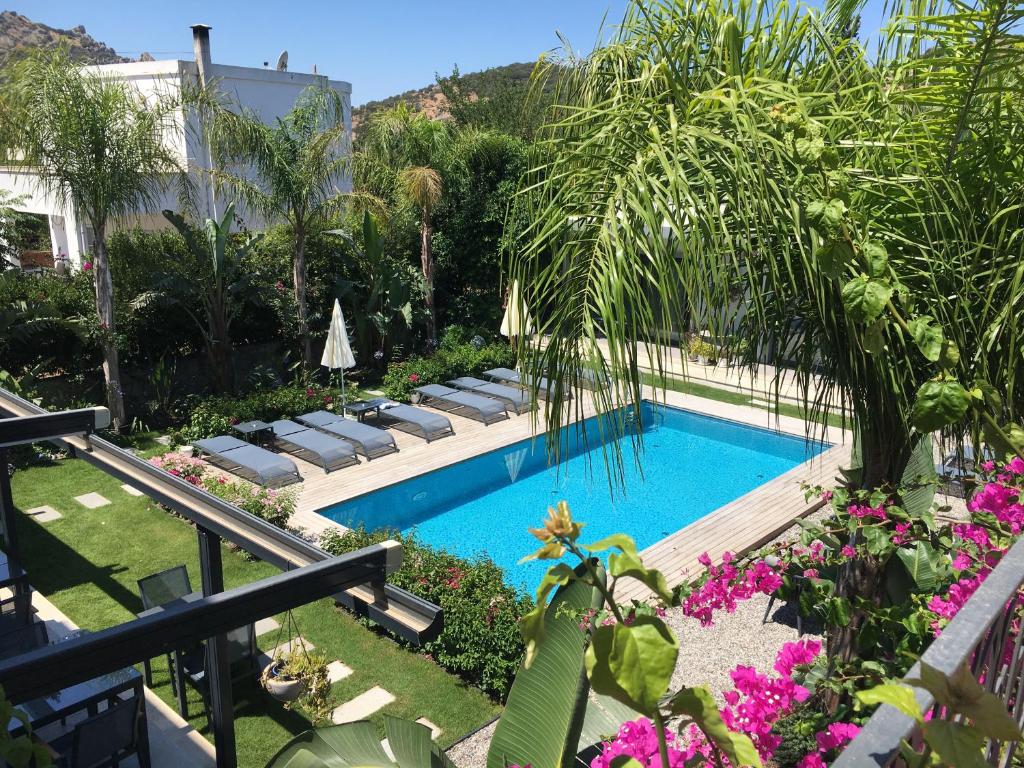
[(414, 381), (693, 347), (298, 678)]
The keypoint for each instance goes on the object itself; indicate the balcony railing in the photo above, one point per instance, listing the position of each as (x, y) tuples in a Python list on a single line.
[(982, 636)]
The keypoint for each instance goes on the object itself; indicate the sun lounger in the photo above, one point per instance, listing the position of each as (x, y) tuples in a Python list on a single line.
[(416, 421), (514, 397), (312, 446), (464, 403), (248, 461), (371, 442), (544, 386)]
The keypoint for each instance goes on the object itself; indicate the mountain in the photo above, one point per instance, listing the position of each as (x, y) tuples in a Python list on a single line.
[(19, 32), (432, 102)]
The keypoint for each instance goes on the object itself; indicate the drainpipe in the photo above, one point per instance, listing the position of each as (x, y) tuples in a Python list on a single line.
[(201, 47)]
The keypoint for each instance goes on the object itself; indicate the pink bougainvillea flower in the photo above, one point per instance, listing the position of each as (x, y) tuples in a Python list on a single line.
[(86, 266), (414, 377), (848, 551)]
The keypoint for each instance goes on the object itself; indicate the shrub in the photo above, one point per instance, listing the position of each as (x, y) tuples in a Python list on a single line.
[(480, 641), (456, 356), (274, 506), (211, 416)]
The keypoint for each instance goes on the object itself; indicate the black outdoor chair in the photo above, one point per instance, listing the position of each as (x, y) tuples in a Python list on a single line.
[(106, 738), (160, 589), (23, 639), (241, 660)]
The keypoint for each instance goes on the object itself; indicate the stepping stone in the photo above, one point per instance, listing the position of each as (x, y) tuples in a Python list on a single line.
[(43, 514), (435, 730), (362, 706), (131, 490), (267, 625), (92, 500), (337, 671)]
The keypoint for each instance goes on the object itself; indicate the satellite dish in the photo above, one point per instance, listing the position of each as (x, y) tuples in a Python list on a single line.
[(282, 62)]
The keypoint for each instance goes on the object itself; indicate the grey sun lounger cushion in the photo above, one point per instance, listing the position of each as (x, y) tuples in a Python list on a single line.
[(369, 441), (315, 447), (249, 461), (544, 385), (427, 425), (517, 398), (503, 374), (484, 408)]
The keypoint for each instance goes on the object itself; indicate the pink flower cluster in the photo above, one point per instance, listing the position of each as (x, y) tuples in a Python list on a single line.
[(725, 585), (863, 510), (754, 705), (1002, 501), (836, 736), (759, 700), (178, 464), (639, 739)]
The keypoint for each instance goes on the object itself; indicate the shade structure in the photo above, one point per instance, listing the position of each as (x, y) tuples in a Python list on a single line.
[(337, 350), (516, 320)]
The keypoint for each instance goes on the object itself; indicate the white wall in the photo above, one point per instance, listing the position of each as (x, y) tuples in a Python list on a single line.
[(269, 93)]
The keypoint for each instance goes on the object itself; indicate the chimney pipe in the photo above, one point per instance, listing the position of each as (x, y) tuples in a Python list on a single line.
[(201, 46)]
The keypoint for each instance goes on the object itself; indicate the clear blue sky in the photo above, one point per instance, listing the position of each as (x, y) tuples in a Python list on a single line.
[(382, 47)]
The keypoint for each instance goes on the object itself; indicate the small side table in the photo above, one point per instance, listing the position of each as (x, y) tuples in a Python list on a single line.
[(258, 432), (359, 408)]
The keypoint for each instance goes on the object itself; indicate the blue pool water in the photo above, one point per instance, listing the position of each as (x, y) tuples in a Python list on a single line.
[(692, 464)]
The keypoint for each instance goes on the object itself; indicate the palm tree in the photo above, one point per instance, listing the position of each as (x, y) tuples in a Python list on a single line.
[(746, 169), (98, 147), (299, 161), (402, 159)]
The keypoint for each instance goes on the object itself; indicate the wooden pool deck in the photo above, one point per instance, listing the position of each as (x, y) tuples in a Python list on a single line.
[(738, 526)]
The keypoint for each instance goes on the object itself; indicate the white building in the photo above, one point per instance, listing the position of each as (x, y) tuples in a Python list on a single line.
[(270, 93)]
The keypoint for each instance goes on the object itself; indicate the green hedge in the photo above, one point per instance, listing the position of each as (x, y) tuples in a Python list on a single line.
[(480, 641), (456, 356), (211, 416)]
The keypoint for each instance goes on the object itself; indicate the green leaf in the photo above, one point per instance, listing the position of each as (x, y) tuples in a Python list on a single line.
[(896, 695), (542, 718), (629, 565), (928, 337), (957, 744), (918, 562), (873, 337), (939, 404), (877, 540), (699, 705), (838, 611), (531, 625), (962, 693), (826, 216), (833, 257), (864, 298), (618, 541), (624, 761), (877, 258), (949, 355), (809, 150), (633, 664)]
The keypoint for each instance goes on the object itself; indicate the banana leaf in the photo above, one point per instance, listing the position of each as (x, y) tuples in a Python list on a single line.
[(356, 745), (544, 715), (920, 469)]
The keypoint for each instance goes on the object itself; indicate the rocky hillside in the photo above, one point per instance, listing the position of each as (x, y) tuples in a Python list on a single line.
[(431, 101), (18, 32)]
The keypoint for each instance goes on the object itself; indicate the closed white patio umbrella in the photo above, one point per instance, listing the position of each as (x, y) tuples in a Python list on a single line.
[(516, 319), (337, 350)]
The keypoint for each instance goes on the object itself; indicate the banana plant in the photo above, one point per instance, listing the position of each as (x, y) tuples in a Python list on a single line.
[(218, 282), (355, 745), (387, 307)]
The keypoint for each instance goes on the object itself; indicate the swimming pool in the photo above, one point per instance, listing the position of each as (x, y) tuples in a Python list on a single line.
[(692, 464)]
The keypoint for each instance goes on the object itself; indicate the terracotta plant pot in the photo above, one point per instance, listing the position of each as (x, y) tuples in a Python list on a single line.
[(281, 688)]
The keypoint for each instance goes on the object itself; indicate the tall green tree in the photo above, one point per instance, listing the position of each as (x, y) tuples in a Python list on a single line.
[(402, 159), (214, 278), (747, 169), (97, 146), (299, 162)]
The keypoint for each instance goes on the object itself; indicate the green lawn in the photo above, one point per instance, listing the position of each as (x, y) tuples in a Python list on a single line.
[(87, 564)]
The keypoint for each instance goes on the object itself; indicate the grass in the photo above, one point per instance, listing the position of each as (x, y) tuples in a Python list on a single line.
[(733, 397), (87, 564)]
